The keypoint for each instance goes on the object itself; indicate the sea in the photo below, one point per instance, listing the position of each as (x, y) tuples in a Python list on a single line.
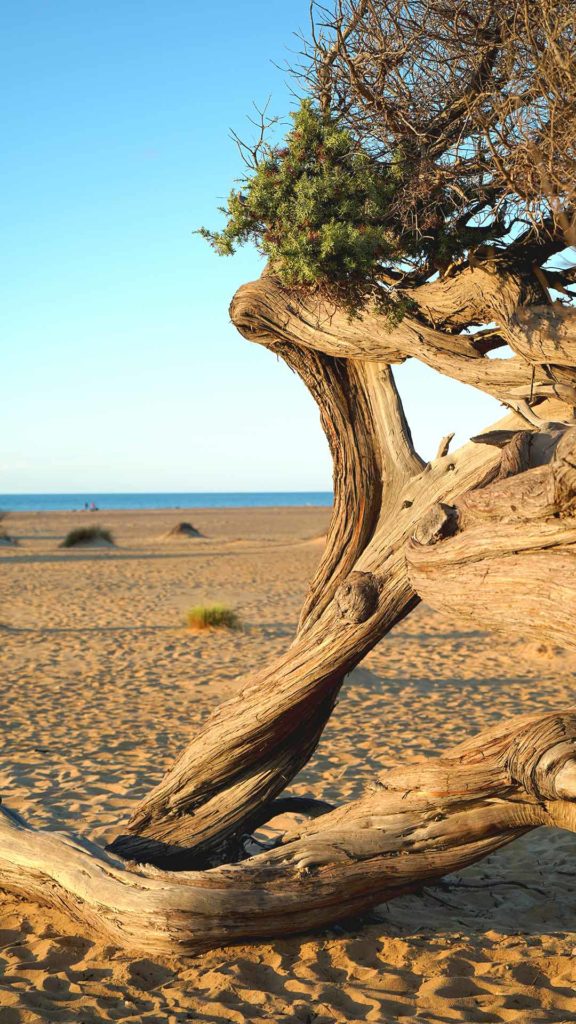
[(184, 499)]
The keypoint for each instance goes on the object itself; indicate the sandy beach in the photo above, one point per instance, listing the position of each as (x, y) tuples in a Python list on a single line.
[(102, 685)]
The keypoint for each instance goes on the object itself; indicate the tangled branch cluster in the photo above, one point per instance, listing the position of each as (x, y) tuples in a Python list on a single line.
[(480, 95), (433, 132)]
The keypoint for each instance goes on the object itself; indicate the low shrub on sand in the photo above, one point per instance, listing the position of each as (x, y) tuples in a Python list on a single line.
[(5, 538), (87, 535), (183, 530), (212, 616)]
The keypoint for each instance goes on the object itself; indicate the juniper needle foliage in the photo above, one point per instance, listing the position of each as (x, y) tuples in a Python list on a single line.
[(317, 208)]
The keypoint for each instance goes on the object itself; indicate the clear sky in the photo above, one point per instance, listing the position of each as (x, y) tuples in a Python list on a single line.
[(120, 370)]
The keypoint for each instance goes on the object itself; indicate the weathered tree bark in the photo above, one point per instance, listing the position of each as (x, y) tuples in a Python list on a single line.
[(251, 747), (477, 138), (504, 557), (417, 823), (486, 532)]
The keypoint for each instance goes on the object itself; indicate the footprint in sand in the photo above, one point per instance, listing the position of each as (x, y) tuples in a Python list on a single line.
[(147, 975)]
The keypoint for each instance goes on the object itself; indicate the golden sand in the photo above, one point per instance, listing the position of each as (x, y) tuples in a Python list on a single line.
[(102, 686)]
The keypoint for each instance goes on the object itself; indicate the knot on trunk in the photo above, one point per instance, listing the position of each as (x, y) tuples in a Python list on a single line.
[(357, 598), (439, 522), (542, 758), (515, 456)]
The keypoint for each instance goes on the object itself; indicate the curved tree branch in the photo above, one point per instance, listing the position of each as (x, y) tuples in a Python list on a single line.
[(372, 456), (418, 822), (265, 310)]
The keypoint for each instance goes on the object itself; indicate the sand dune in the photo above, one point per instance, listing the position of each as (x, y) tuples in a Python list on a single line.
[(102, 686)]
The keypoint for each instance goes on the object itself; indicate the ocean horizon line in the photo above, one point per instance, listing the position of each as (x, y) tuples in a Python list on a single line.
[(70, 501)]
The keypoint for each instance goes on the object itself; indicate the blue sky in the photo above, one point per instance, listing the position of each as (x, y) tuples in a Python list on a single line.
[(120, 369)]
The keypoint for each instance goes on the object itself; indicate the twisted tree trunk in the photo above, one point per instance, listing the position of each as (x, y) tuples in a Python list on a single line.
[(250, 748), (487, 533)]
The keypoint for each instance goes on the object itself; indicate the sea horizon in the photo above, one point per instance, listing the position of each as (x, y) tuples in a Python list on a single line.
[(151, 500)]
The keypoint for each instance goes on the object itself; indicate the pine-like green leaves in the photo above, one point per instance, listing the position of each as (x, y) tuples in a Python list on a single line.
[(318, 209)]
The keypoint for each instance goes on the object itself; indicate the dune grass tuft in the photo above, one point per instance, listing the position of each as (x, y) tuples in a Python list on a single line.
[(5, 537), (87, 535), (212, 616), (184, 530)]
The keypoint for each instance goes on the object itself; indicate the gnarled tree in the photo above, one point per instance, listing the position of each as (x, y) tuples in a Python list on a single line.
[(422, 207)]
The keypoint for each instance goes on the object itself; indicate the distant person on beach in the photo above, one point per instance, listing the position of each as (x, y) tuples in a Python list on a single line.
[(93, 507)]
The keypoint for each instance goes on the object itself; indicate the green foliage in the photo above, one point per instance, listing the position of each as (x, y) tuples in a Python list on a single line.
[(86, 535), (319, 209), (212, 616)]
